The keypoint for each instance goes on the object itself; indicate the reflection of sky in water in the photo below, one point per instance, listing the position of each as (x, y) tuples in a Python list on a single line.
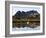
[(15, 9), (26, 29)]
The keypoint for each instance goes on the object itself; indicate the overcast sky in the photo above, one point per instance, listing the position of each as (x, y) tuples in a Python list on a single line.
[(15, 9)]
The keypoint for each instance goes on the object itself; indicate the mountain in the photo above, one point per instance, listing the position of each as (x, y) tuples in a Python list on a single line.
[(26, 14)]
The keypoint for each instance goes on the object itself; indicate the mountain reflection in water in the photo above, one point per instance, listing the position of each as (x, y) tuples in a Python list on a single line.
[(29, 19)]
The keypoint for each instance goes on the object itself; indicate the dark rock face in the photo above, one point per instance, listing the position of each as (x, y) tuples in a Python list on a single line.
[(26, 14)]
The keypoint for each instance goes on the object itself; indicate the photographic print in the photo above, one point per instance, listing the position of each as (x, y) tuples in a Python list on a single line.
[(24, 18)]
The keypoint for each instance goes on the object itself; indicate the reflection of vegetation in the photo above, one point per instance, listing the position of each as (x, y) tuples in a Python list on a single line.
[(26, 19)]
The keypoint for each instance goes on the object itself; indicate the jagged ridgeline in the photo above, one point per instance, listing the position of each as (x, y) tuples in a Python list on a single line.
[(26, 19), (27, 14)]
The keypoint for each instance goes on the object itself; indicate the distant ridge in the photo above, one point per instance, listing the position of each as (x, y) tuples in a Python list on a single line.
[(26, 14)]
